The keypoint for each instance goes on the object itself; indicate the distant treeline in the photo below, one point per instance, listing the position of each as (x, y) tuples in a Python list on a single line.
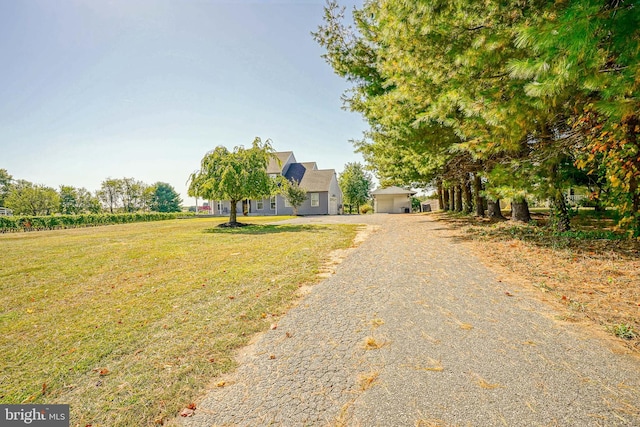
[(124, 195)]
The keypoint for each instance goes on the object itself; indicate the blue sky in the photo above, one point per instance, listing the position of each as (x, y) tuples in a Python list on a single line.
[(143, 89)]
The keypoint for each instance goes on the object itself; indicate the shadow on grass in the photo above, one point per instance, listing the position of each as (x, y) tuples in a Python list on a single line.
[(593, 236), (257, 229)]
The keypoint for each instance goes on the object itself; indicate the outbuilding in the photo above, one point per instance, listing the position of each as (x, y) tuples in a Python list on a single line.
[(392, 200)]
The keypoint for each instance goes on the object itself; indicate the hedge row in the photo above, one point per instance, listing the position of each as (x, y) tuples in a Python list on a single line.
[(54, 222)]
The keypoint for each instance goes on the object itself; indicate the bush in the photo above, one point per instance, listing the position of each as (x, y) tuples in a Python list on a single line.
[(366, 208), (55, 222)]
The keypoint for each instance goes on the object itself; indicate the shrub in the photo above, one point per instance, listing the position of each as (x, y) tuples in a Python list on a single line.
[(366, 208), (54, 222)]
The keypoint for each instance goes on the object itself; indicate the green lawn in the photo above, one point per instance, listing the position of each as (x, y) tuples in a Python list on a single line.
[(129, 324)]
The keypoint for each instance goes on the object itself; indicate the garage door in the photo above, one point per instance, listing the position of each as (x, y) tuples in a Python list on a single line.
[(384, 204)]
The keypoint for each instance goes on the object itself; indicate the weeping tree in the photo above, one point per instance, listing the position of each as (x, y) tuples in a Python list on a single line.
[(234, 175)]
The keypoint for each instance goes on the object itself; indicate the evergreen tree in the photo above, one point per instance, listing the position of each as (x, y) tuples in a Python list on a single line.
[(164, 198)]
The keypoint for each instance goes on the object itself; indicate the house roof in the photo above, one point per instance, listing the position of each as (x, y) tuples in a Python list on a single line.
[(310, 165), (275, 166), (309, 177), (391, 191), (318, 180)]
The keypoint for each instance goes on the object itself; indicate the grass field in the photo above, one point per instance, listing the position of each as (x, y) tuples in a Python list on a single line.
[(129, 324)]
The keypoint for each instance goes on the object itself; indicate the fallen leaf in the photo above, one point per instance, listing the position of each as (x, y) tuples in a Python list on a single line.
[(564, 297), (274, 326), (509, 294), (231, 297), (186, 412), (220, 383), (103, 372), (288, 334), (44, 389), (272, 356), (191, 406)]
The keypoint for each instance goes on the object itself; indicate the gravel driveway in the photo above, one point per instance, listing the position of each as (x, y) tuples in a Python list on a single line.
[(412, 330)]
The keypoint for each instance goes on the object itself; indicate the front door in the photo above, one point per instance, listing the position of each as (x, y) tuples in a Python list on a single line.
[(333, 206)]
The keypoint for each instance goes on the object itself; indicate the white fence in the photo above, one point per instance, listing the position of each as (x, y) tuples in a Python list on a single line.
[(5, 211)]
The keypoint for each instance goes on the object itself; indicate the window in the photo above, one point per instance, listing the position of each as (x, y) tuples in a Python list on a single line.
[(315, 200), (220, 205), (260, 205), (286, 203), (273, 203)]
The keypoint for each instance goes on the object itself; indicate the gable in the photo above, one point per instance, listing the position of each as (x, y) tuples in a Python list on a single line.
[(393, 190), (280, 166)]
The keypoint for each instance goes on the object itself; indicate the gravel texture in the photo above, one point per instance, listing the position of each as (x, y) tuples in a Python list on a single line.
[(412, 330)]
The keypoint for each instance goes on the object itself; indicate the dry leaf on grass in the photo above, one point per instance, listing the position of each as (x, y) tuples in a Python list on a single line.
[(186, 412)]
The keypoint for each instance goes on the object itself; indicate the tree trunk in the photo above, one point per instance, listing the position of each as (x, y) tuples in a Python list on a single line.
[(440, 196), (635, 206), (559, 219), (445, 199), (468, 200), (477, 188), (458, 192), (493, 209), (559, 212), (233, 215), (452, 198), (520, 210)]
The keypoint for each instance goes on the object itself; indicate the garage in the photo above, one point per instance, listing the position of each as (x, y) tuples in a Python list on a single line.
[(392, 200)]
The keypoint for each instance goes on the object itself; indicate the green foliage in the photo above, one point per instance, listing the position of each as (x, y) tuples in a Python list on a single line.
[(415, 204), (164, 198), (355, 184), (110, 193), (55, 222), (624, 331), (5, 185), (366, 208), (25, 198), (75, 201), (590, 235), (518, 93), (293, 193), (234, 175)]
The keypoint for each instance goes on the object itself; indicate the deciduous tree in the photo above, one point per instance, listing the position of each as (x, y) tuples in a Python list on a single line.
[(293, 194), (110, 193), (234, 175), (26, 198), (355, 184), (5, 185)]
